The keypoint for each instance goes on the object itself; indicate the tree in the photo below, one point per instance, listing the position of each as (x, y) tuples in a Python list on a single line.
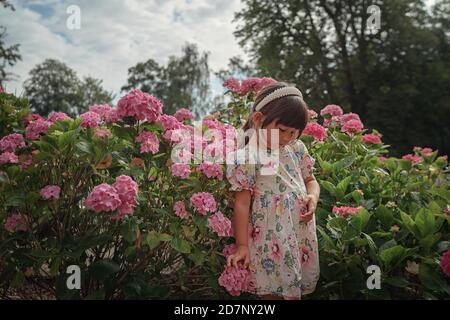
[(407, 96), (147, 76), (8, 55), (183, 82), (7, 4), (236, 68), (92, 92), (53, 86), (394, 78)]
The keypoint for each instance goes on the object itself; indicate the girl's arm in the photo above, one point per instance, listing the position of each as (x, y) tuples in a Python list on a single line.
[(240, 224), (312, 197), (312, 187), (240, 217)]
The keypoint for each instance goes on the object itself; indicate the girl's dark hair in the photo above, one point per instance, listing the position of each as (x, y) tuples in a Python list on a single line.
[(290, 111)]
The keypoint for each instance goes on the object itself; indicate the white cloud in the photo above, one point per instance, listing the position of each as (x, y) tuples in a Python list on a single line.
[(117, 34)]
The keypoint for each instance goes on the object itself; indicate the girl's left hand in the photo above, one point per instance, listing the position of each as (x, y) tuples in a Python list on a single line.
[(311, 204)]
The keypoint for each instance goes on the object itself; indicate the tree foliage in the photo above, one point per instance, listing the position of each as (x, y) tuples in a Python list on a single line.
[(394, 78), (9, 55), (53, 86), (183, 82)]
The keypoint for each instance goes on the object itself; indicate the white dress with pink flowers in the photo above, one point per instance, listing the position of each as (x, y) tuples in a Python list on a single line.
[(283, 250)]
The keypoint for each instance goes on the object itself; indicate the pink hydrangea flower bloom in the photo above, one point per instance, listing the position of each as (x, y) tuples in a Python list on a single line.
[(57, 116), (103, 133), (312, 114), (425, 151), (182, 155), (334, 121), (127, 190), (445, 263), (139, 105), (217, 130), (103, 198), (173, 136), (211, 170), (171, 125), (90, 119), (332, 109), (371, 139), (180, 210), (11, 142), (203, 202), (349, 116), (149, 142), (50, 191), (220, 224), (382, 158), (198, 142), (263, 82), (8, 157), (413, 158), (346, 211), (183, 114), (229, 249), (181, 170), (111, 116), (235, 280), (232, 84), (212, 124), (35, 128), (249, 85), (254, 84), (315, 130), (352, 126), (227, 126), (16, 222), (31, 117), (101, 109)]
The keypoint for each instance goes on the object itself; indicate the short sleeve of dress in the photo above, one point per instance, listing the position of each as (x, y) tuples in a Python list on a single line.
[(306, 160), (240, 174)]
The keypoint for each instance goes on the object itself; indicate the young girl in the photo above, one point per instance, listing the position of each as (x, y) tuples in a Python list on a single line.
[(273, 219)]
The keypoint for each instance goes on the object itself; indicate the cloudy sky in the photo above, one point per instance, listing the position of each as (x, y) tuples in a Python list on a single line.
[(116, 34)]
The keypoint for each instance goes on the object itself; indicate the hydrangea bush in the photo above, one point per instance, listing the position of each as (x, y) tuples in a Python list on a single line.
[(103, 193), (374, 210)]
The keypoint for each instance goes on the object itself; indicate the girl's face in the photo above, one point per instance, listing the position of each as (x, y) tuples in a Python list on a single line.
[(286, 134)]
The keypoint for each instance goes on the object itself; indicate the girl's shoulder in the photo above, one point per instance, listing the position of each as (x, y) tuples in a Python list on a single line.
[(241, 170), (299, 147)]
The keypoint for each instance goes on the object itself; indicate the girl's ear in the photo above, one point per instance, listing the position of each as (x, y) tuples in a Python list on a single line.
[(258, 118)]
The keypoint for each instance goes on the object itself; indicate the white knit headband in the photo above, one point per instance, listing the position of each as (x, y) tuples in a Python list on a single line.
[(282, 92)]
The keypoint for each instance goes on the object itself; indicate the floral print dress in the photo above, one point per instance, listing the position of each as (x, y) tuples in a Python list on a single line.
[(284, 259)]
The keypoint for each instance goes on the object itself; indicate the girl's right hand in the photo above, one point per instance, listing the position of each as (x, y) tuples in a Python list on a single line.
[(242, 253)]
